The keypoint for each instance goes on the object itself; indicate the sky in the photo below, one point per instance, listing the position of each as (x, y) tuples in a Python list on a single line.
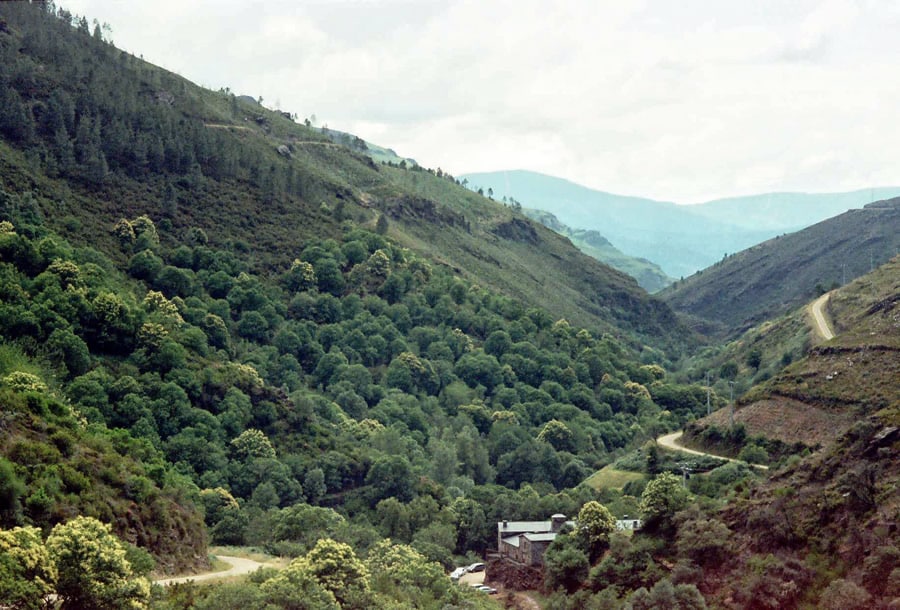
[(682, 101)]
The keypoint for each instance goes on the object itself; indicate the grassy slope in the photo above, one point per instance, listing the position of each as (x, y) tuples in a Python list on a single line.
[(778, 275)]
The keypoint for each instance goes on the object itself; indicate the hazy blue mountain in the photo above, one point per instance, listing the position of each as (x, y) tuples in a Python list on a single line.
[(781, 211), (649, 275), (680, 239)]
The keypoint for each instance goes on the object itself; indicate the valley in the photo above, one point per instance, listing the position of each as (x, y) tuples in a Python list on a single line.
[(228, 336)]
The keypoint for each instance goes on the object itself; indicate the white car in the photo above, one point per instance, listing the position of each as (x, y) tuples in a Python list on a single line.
[(457, 573)]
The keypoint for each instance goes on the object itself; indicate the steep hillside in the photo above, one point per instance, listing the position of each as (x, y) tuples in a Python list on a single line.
[(233, 327), (648, 275), (54, 467), (97, 134), (780, 274), (840, 381), (679, 238), (832, 515)]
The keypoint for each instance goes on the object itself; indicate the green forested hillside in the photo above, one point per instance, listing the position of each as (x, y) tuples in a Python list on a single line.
[(218, 325), (208, 337), (129, 138)]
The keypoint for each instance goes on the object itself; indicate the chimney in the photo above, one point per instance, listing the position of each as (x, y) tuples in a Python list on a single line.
[(505, 523), (556, 522)]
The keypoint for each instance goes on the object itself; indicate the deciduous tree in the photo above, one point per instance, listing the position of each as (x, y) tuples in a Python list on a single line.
[(93, 569)]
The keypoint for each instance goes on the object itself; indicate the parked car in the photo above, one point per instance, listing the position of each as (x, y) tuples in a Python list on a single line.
[(476, 567), (487, 589), (458, 572)]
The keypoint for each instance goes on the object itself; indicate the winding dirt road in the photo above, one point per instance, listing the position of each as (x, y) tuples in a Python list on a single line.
[(239, 566), (670, 441), (822, 327)]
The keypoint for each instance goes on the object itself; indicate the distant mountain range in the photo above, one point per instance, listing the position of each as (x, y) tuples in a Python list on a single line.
[(649, 275), (681, 239), (782, 273)]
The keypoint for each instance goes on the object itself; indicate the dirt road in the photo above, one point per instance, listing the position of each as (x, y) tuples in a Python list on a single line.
[(822, 327), (670, 441), (239, 566)]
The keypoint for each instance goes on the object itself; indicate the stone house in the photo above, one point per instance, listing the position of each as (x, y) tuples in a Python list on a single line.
[(525, 542)]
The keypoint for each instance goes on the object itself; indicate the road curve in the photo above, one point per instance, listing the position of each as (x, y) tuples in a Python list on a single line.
[(670, 441), (239, 566), (822, 326)]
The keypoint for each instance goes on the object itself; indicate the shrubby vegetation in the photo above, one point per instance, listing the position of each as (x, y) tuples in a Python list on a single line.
[(81, 562)]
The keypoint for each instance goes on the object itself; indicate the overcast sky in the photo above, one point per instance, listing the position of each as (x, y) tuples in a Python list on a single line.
[(672, 99)]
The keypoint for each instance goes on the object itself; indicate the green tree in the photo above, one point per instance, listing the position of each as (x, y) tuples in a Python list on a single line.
[(665, 596), (252, 443), (595, 523), (27, 572), (728, 370), (754, 358), (843, 594), (12, 488), (391, 476), (662, 498), (557, 434), (339, 571), (297, 588), (565, 565), (93, 569), (705, 541), (403, 574), (314, 485)]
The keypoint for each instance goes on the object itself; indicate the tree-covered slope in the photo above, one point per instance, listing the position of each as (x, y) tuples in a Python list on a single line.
[(300, 348), (778, 275), (129, 138)]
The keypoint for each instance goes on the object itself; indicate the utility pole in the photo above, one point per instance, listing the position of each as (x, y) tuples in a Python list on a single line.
[(731, 400), (707, 394), (685, 469)]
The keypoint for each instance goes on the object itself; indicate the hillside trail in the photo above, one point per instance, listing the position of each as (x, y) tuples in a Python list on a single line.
[(822, 328), (239, 566), (670, 441)]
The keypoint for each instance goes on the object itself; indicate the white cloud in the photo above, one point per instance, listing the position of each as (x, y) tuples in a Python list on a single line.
[(682, 101)]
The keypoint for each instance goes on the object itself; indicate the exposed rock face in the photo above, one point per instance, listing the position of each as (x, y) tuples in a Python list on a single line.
[(517, 229), (424, 209), (514, 576), (164, 98)]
